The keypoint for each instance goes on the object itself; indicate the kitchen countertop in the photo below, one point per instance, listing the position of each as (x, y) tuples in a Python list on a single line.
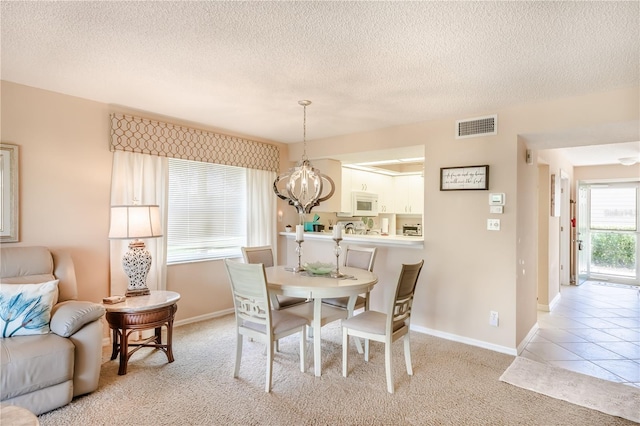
[(388, 240)]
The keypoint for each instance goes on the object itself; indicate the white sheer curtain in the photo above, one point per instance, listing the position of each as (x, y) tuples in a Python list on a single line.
[(261, 206), (142, 179)]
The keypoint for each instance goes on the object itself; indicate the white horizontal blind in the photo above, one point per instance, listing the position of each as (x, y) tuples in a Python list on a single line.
[(207, 211), (614, 208)]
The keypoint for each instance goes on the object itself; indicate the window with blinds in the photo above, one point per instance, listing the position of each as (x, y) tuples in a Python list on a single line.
[(614, 208), (207, 211), (613, 231)]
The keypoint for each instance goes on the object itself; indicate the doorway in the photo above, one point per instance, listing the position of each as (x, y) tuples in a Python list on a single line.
[(607, 242)]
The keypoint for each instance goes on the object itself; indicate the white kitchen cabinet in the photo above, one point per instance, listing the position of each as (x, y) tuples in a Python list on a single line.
[(384, 189), (409, 194), (361, 181)]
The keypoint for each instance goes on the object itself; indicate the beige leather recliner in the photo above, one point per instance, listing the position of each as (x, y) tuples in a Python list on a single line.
[(44, 372)]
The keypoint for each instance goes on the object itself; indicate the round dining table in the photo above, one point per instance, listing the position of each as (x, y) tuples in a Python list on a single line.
[(282, 280)]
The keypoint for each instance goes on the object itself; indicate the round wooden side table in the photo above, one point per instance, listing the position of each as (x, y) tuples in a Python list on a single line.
[(17, 416), (138, 313)]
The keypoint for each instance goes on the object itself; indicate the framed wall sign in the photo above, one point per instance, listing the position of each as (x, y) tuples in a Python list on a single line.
[(464, 178), (9, 199)]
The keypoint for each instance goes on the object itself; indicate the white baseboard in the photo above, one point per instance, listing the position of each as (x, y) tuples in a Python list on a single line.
[(106, 341), (550, 306), (528, 337), (543, 308), (204, 317), (424, 330), (554, 302), (465, 340)]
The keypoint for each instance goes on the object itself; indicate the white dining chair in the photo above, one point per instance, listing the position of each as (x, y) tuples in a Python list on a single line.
[(386, 327), (264, 255), (362, 258), (296, 305), (356, 257), (256, 319)]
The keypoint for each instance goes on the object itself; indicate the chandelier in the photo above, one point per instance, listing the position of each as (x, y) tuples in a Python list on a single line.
[(304, 183)]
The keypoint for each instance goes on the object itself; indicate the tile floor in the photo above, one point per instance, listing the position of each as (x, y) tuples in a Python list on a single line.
[(594, 329)]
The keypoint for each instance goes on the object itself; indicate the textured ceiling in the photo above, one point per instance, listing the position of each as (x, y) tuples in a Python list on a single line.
[(593, 155), (242, 66)]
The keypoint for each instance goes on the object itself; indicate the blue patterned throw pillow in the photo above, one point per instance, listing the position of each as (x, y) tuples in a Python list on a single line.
[(25, 309)]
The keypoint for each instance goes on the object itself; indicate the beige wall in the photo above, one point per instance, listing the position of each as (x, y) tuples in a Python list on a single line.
[(549, 285), (612, 171), (470, 271), (543, 237), (65, 177), (65, 183), (526, 246), (65, 168)]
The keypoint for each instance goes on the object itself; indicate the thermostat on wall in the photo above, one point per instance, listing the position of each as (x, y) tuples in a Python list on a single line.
[(496, 199)]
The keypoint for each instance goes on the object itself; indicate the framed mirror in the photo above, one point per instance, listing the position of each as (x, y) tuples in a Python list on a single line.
[(9, 202)]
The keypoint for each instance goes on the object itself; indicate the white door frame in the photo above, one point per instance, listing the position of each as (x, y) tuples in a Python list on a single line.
[(565, 229)]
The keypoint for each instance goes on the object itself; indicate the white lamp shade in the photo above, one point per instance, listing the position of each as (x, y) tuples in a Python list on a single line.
[(128, 222)]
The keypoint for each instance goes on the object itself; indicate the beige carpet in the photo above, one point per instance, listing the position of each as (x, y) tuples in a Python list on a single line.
[(453, 384), (612, 398)]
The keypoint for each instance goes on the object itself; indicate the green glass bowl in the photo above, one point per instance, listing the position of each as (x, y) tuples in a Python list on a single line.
[(318, 268)]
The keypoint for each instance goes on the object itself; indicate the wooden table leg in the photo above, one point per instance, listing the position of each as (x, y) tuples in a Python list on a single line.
[(158, 334), (170, 339), (124, 352), (114, 350)]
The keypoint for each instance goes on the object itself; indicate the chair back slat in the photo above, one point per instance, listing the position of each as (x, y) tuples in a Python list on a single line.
[(360, 257), (250, 310), (405, 289), (402, 308), (249, 287), (262, 254)]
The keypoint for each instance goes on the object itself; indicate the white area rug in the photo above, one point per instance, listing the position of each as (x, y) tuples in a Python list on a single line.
[(591, 392)]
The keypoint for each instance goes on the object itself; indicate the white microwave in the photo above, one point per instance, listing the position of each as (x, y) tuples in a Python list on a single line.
[(364, 204)]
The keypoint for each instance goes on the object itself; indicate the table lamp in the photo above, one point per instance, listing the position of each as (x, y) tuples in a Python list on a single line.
[(134, 222)]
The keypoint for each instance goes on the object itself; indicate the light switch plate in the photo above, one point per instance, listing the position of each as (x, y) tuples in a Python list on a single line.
[(497, 199), (496, 209), (493, 224), (493, 318)]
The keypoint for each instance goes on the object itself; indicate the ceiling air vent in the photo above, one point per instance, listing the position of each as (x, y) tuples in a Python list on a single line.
[(479, 126)]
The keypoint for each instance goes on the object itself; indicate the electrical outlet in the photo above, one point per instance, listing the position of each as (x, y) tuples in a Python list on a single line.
[(493, 318), (493, 224)]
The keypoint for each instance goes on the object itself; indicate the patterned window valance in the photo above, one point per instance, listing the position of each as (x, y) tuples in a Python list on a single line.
[(145, 136)]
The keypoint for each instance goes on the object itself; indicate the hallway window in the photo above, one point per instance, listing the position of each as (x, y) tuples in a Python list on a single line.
[(613, 227)]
